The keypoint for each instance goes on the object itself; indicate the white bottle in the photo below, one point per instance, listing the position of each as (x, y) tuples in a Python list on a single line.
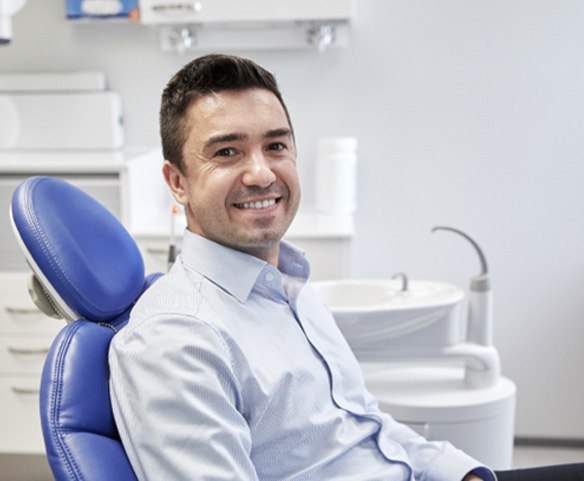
[(336, 175)]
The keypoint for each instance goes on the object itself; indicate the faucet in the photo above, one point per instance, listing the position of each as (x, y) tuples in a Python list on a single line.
[(405, 281)]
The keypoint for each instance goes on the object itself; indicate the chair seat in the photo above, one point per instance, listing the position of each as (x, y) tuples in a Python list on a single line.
[(78, 424)]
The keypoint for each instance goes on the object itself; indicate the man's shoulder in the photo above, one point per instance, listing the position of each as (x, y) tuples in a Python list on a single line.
[(169, 303), (174, 292)]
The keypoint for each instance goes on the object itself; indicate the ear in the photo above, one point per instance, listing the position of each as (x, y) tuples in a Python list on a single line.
[(176, 181)]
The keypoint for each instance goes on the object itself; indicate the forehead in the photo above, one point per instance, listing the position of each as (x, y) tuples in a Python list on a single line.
[(245, 107)]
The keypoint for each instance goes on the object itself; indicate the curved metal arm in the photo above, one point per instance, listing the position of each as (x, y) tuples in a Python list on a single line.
[(483, 260)]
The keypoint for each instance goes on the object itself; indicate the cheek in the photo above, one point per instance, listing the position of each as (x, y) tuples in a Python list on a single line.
[(213, 186), (289, 174)]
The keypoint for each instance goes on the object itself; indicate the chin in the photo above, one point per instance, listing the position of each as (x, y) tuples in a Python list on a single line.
[(259, 241)]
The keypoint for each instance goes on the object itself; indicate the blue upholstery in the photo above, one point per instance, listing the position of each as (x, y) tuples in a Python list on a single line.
[(92, 272), (79, 246)]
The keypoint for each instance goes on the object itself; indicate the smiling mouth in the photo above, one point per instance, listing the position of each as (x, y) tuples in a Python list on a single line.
[(258, 204)]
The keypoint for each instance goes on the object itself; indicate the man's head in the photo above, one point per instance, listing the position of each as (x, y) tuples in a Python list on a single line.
[(203, 76), (230, 154)]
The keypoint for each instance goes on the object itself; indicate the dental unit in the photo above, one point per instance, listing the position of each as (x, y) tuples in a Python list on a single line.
[(429, 365), (419, 320)]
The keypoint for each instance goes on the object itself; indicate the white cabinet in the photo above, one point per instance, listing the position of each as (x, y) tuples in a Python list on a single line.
[(129, 183), (218, 25), (237, 11), (25, 338)]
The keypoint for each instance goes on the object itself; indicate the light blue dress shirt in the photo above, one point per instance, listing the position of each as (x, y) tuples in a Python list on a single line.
[(231, 369)]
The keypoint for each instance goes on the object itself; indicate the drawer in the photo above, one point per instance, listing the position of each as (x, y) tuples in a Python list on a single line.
[(23, 355), (18, 314), (19, 318), (19, 417)]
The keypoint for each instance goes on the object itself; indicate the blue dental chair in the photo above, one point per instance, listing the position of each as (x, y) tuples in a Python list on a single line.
[(89, 271)]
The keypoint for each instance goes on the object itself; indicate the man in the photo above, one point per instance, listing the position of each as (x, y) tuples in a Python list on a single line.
[(230, 367)]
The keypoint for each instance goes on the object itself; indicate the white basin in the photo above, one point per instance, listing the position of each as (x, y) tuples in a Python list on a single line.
[(370, 295), (380, 320)]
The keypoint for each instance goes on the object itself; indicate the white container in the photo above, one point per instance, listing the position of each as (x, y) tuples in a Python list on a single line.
[(336, 175)]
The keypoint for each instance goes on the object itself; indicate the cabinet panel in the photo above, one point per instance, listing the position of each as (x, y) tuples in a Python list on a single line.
[(25, 338), (18, 314), (155, 253), (23, 355), (19, 416), (236, 11)]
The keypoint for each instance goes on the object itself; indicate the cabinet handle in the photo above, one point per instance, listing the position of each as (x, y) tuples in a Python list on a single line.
[(160, 251), (29, 351), (25, 390), (193, 7), (157, 251), (22, 310)]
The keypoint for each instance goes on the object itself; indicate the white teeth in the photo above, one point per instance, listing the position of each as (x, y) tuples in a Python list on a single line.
[(260, 204)]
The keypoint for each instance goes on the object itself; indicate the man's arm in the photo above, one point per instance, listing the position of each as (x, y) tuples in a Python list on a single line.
[(174, 399)]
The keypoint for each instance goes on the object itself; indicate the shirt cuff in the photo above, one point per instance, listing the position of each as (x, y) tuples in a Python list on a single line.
[(484, 473)]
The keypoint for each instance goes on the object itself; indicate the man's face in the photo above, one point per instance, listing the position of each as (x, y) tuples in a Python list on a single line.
[(240, 185)]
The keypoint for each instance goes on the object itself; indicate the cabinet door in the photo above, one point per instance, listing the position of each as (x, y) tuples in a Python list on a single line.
[(23, 355), (25, 338), (232, 11), (19, 417)]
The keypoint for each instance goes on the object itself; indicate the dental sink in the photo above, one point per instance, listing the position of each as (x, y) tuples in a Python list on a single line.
[(370, 295), (381, 318), (387, 320)]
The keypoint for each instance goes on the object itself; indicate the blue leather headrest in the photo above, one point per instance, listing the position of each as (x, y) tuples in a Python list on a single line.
[(77, 249)]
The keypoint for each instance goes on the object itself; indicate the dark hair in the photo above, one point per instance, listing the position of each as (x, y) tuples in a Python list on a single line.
[(202, 76)]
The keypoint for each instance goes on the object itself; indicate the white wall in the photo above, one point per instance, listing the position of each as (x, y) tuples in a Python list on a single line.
[(468, 114)]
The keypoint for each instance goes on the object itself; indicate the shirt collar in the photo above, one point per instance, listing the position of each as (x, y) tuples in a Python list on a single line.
[(233, 270)]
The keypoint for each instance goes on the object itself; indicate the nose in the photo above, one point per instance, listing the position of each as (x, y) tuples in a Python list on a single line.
[(258, 172)]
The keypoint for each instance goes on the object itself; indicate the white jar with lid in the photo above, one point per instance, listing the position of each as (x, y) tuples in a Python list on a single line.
[(336, 175)]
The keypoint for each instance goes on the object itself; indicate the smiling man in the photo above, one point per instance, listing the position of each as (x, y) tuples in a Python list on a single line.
[(230, 367), (237, 176)]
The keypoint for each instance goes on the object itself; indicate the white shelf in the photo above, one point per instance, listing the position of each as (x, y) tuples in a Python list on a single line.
[(69, 161)]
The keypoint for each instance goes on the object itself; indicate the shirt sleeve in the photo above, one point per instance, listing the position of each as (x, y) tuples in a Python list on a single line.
[(433, 460), (175, 403)]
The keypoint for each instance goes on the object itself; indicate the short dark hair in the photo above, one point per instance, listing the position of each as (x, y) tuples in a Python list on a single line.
[(204, 75)]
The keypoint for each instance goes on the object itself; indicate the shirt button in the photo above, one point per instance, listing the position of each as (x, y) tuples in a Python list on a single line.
[(269, 277)]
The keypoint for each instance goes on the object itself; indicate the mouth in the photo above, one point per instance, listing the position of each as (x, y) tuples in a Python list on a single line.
[(257, 204)]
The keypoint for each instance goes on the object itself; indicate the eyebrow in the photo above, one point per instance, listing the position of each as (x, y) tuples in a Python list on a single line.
[(233, 137), (222, 138), (278, 133)]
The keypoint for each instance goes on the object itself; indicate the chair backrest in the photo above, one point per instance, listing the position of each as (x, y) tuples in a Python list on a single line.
[(88, 270)]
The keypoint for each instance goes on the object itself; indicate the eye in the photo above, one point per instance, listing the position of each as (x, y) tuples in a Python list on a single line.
[(276, 146), (226, 152)]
